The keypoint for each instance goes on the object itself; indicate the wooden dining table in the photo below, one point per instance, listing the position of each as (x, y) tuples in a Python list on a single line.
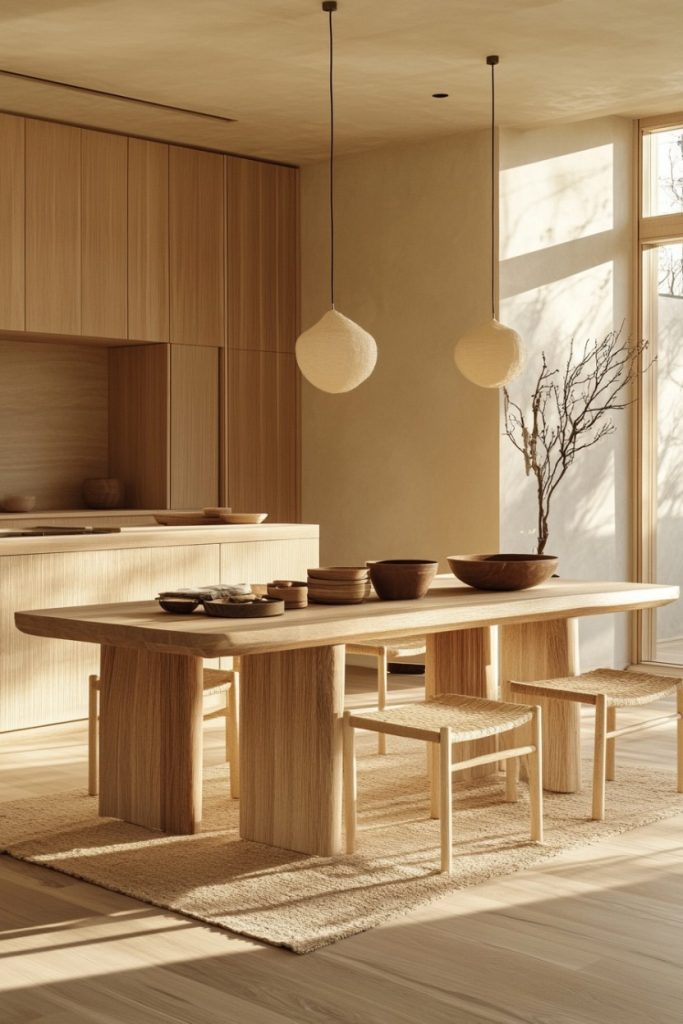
[(292, 692)]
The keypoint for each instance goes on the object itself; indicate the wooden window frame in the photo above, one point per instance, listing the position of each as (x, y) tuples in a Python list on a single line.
[(649, 232)]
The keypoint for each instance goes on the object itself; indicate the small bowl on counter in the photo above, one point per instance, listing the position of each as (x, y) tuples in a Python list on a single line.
[(402, 579), (18, 503), (503, 571)]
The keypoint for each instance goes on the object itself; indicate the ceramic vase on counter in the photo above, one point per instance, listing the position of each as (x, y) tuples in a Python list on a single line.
[(103, 492)]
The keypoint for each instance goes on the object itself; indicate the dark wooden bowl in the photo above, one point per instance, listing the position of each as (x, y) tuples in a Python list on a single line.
[(402, 579), (179, 605), (503, 572)]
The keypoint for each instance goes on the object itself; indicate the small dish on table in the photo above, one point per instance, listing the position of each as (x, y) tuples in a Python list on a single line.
[(259, 608)]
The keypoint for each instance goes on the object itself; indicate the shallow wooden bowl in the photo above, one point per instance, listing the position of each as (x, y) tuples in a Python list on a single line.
[(402, 579), (503, 571), (244, 610)]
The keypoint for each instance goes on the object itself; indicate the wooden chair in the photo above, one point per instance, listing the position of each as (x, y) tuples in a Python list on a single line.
[(608, 689), (441, 722), (385, 651), (215, 681)]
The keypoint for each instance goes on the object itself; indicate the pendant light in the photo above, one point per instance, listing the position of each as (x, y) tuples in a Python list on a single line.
[(335, 354), (490, 355)]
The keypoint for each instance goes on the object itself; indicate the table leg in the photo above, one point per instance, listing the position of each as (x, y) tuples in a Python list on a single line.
[(544, 650), (151, 739), (465, 661), (291, 707)]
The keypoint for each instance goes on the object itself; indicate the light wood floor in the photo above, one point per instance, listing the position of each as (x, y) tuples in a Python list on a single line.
[(593, 937)]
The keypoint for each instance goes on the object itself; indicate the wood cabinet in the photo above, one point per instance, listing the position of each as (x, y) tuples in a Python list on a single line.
[(262, 255), (104, 239), (194, 426), (196, 242), (12, 156), (262, 443), (53, 228), (147, 240), (125, 242)]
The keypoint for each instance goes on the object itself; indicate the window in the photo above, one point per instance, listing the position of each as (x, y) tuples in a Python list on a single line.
[(660, 428)]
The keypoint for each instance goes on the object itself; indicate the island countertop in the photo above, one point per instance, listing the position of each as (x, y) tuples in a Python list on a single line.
[(157, 537)]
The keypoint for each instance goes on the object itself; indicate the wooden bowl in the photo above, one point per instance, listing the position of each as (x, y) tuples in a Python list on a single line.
[(179, 605), (103, 492), (293, 592), (338, 573), (504, 571), (18, 503), (244, 610), (402, 579)]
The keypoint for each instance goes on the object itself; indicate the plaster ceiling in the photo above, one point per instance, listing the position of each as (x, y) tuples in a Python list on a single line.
[(264, 64)]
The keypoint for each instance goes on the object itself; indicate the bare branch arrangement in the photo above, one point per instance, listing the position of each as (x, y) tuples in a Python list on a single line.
[(569, 411)]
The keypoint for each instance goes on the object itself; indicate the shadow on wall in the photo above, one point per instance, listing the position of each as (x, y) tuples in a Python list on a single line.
[(565, 273)]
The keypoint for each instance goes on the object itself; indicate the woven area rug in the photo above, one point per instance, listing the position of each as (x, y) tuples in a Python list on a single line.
[(301, 902)]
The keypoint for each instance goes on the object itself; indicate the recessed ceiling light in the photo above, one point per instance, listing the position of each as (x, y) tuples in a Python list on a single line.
[(439, 95)]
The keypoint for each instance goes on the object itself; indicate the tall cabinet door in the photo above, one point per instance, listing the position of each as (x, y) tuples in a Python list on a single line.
[(12, 155), (53, 228), (261, 431), (104, 162), (147, 240), (196, 238), (194, 426), (262, 266)]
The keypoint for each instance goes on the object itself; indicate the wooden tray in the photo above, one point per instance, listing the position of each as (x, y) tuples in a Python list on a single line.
[(237, 610), (187, 519)]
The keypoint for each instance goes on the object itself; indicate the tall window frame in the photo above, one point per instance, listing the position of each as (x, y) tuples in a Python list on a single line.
[(652, 229)]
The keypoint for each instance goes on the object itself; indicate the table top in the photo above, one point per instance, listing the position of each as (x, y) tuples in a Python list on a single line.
[(448, 605)]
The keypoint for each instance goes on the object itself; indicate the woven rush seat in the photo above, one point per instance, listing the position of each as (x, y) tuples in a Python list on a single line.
[(215, 681), (620, 689), (608, 689), (441, 722), (468, 718), (385, 650)]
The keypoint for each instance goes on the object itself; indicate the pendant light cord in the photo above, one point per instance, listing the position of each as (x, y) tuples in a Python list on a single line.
[(493, 61), (330, 12)]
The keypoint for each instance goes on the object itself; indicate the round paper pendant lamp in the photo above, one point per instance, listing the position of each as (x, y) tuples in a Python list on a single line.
[(336, 354), (489, 355)]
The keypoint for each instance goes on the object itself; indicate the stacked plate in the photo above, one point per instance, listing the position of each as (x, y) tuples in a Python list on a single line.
[(338, 584)]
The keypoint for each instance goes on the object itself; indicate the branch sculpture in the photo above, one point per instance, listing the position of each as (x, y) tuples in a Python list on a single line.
[(569, 412)]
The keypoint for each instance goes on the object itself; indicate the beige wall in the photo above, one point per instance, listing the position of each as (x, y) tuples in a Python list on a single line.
[(406, 465), (566, 216)]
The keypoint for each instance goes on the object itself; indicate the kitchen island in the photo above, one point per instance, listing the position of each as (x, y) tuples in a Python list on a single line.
[(43, 682)]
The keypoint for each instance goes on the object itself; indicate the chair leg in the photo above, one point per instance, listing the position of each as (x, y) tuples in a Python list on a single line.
[(535, 768), (599, 758), (434, 787), (679, 736), (233, 735), (446, 799), (611, 765), (93, 734), (511, 779), (382, 670), (350, 794)]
